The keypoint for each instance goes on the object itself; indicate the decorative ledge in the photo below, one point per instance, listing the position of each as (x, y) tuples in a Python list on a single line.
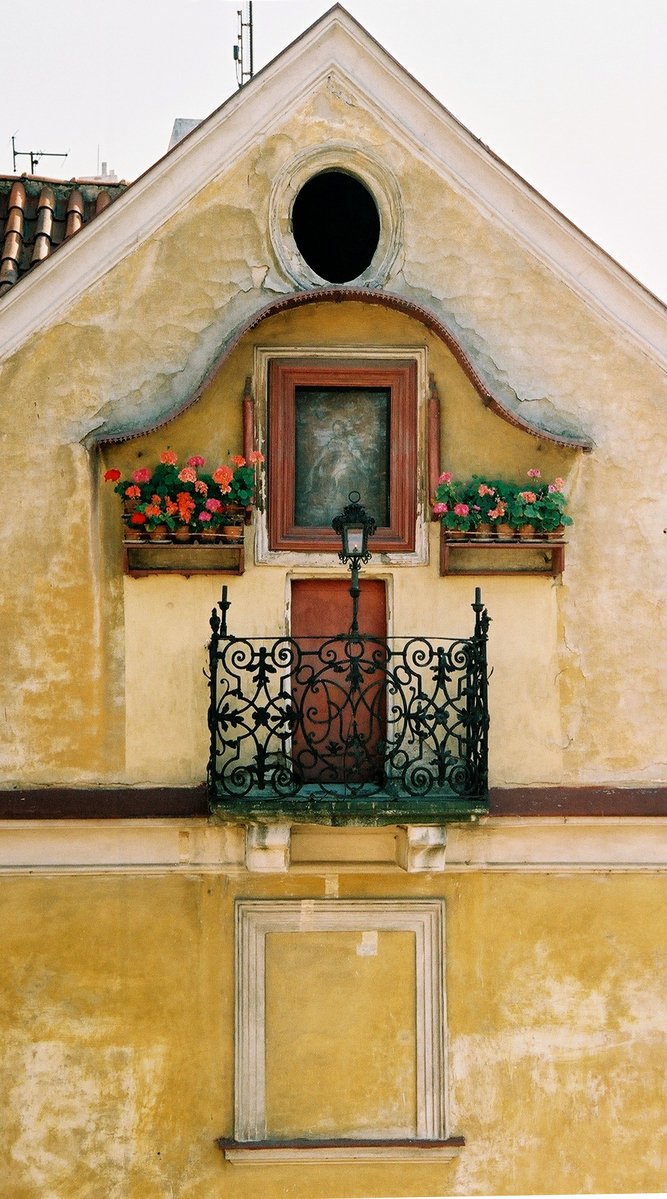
[(556, 844), (143, 558), (256, 1153), (477, 556)]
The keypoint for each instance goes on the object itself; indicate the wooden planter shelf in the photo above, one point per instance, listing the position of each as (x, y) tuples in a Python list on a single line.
[(143, 558), (481, 556)]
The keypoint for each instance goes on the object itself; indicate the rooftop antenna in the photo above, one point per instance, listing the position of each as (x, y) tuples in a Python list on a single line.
[(243, 47), (33, 155)]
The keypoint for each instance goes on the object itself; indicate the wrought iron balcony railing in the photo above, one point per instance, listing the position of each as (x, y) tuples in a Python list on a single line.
[(349, 728)]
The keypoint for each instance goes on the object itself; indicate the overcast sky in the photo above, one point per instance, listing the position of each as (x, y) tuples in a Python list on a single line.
[(570, 93)]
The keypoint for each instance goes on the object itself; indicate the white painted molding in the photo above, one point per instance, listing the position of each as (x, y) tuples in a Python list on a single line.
[(421, 847), (367, 166), (255, 919), (267, 848), (335, 49), (550, 844), (270, 1154)]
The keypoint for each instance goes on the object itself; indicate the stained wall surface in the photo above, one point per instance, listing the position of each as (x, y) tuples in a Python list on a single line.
[(94, 657), (136, 345), (117, 1015), (117, 1027)]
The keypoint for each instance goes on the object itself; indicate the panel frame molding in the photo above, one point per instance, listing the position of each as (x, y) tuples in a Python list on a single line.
[(255, 919)]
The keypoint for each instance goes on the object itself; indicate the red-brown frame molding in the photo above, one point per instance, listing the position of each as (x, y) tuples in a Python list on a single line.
[(400, 377)]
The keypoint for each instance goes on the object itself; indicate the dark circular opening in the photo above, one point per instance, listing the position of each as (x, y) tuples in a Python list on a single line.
[(336, 226)]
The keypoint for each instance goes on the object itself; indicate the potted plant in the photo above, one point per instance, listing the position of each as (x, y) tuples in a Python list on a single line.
[(160, 516), (485, 497), (451, 504), (497, 507), (185, 502), (522, 509), (551, 505)]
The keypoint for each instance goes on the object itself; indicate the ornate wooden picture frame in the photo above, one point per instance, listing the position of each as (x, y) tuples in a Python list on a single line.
[(337, 426)]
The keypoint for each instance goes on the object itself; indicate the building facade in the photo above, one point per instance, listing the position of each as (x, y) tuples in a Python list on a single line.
[(253, 944)]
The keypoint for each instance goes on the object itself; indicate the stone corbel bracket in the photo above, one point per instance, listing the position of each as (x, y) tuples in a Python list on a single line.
[(419, 848)]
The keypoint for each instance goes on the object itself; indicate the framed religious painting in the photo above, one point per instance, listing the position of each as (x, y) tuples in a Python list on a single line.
[(336, 427)]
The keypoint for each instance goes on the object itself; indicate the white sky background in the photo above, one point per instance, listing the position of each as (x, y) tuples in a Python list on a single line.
[(572, 94)]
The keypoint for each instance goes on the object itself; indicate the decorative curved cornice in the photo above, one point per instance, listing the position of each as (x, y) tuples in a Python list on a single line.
[(340, 295)]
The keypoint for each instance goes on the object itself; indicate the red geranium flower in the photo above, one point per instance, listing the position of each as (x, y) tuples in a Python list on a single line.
[(111, 476)]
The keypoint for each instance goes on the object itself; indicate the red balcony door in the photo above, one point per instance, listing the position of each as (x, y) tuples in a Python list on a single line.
[(321, 609)]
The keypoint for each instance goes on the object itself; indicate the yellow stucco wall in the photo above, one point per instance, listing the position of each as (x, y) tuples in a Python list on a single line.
[(117, 1031), (117, 1015), (164, 654), (355, 1009), (79, 690)]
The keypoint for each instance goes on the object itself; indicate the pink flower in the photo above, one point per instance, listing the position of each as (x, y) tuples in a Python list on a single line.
[(201, 487), (204, 516), (255, 456), (484, 490), (528, 497), (187, 475), (461, 509), (142, 475), (238, 459), (534, 473), (445, 478), (497, 512), (196, 460), (169, 458), (213, 505), (439, 509), (557, 485)]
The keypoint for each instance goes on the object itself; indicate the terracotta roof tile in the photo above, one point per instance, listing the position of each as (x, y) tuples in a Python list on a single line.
[(37, 215)]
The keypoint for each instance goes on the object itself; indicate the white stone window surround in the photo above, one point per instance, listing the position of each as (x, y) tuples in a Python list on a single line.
[(366, 354), (255, 919), (364, 165)]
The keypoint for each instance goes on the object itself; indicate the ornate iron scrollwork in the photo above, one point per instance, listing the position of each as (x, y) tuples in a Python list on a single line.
[(349, 716)]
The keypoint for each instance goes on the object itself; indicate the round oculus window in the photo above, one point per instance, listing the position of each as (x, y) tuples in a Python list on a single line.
[(336, 226)]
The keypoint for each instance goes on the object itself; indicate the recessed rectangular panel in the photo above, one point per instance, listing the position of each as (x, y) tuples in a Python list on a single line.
[(340, 1020), (341, 1048)]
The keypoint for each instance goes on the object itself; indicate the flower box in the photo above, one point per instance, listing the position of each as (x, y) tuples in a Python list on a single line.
[(186, 520), (496, 506), (474, 555), (142, 558)]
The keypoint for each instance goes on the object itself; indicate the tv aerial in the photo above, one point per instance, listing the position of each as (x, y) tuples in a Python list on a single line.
[(243, 47), (33, 155)]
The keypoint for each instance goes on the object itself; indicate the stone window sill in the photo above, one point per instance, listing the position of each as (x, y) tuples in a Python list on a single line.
[(257, 1152)]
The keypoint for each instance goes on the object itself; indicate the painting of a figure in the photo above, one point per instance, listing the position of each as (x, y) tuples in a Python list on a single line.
[(342, 445)]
